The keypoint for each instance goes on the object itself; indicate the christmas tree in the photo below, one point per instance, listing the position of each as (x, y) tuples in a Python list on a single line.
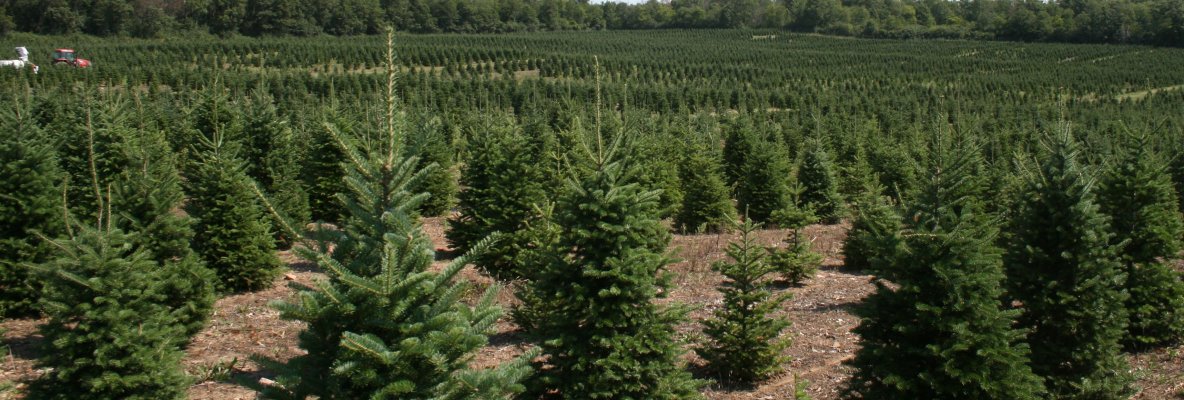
[(745, 342), (820, 186), (1063, 269), (934, 328), (706, 206), (382, 326)]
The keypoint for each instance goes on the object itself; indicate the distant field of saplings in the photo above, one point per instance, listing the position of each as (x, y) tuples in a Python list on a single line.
[(1017, 203)]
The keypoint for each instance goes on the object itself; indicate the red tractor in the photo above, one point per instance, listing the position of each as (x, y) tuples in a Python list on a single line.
[(66, 56)]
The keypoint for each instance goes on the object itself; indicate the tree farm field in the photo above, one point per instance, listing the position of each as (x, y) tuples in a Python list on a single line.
[(836, 146)]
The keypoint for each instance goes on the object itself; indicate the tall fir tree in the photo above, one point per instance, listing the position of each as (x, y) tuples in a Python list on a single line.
[(745, 343), (706, 206), (935, 327), (600, 333), (504, 181), (232, 233), (274, 153), (109, 334), (1136, 193), (30, 202), (382, 326), (820, 187), (1063, 269)]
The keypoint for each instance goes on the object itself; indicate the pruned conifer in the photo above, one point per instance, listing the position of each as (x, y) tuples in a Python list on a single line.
[(820, 186), (706, 205)]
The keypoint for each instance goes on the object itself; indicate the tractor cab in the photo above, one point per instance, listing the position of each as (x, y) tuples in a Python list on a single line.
[(66, 56)]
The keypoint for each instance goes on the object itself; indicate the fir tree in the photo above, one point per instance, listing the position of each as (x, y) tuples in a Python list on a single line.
[(706, 206), (1136, 193), (938, 331), (746, 343), (109, 335), (30, 202), (600, 333), (323, 174), (869, 240), (429, 144), (762, 187), (1062, 267), (382, 326), (503, 181), (273, 153), (820, 187), (232, 236)]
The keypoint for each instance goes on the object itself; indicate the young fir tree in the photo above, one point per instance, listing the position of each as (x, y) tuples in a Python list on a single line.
[(745, 342), (600, 333), (1063, 270), (503, 182), (762, 186), (30, 201), (382, 326), (820, 187), (109, 333), (430, 145), (323, 173), (706, 206), (232, 234), (1136, 193), (935, 327)]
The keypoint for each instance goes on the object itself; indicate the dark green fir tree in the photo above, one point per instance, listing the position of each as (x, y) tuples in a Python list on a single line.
[(1136, 193), (232, 233), (429, 143), (935, 327), (745, 342), (762, 187), (109, 333), (504, 180), (30, 202), (706, 206), (382, 325), (601, 334), (1063, 269), (820, 187), (869, 241)]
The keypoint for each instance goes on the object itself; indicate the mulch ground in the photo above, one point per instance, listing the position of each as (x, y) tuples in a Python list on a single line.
[(245, 327)]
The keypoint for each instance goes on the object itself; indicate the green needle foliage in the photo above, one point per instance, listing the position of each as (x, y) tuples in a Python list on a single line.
[(30, 202), (1063, 269), (745, 344), (504, 180), (430, 145), (820, 186), (706, 206), (600, 333), (797, 262), (934, 328), (762, 187), (869, 241), (232, 234), (1136, 192), (110, 334), (382, 326)]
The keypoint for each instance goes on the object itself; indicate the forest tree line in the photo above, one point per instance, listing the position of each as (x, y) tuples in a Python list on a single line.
[(1158, 22)]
